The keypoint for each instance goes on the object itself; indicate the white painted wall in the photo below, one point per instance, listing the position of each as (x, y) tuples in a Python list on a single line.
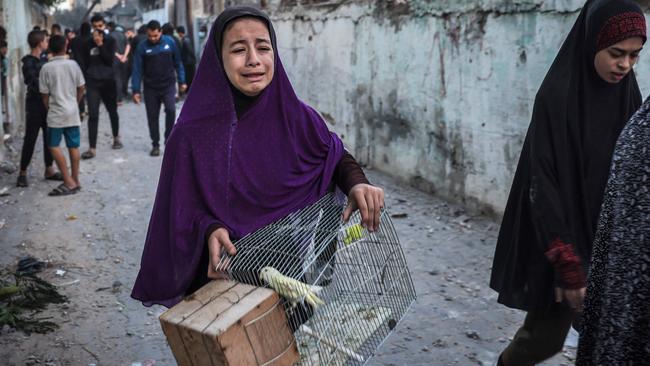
[(439, 93), (18, 22)]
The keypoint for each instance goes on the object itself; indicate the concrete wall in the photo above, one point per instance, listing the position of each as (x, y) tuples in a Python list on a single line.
[(438, 93), (18, 18)]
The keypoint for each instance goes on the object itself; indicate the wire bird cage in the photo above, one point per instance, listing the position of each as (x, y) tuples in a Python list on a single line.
[(361, 277)]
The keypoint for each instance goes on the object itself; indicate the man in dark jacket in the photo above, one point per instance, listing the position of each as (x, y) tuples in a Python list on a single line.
[(97, 64), (35, 111), (157, 64), (187, 55)]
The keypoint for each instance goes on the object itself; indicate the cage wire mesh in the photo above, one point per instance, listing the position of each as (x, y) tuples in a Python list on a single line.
[(360, 278)]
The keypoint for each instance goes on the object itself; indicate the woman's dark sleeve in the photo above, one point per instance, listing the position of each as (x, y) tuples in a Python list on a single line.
[(348, 173), (212, 228), (547, 206)]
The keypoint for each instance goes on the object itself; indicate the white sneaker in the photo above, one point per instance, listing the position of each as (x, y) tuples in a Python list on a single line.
[(571, 340)]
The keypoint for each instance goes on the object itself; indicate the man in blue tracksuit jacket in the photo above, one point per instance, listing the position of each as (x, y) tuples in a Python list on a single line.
[(154, 63)]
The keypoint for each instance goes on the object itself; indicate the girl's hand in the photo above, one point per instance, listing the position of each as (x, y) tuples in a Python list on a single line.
[(369, 200), (219, 239)]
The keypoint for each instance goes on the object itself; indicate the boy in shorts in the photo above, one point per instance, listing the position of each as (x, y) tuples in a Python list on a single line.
[(61, 84)]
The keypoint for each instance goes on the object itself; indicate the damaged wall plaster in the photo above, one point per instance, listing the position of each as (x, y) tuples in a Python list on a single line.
[(439, 93)]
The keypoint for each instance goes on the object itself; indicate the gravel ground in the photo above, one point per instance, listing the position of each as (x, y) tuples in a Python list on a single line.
[(97, 236)]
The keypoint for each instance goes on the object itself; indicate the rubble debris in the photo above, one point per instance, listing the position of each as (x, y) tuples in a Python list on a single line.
[(22, 293), (117, 285), (7, 167), (472, 334), (29, 265), (73, 282)]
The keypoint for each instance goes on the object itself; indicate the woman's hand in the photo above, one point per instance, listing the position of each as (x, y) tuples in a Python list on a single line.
[(573, 298), (218, 239), (369, 200)]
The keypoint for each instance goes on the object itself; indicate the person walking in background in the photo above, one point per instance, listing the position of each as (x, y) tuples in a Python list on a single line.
[(35, 111), (137, 38), (55, 30), (69, 37), (130, 35), (157, 65), (97, 61), (78, 43), (119, 63), (77, 46), (61, 84), (187, 55), (140, 36), (168, 30), (544, 247)]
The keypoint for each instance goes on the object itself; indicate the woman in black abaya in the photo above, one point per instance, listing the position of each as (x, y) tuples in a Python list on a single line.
[(544, 246)]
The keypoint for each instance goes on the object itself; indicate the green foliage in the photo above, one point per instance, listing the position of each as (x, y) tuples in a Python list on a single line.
[(20, 294)]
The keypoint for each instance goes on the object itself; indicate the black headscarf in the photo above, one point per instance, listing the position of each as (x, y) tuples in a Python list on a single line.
[(242, 101), (558, 187)]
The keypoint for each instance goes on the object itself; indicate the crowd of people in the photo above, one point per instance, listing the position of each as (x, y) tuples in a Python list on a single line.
[(108, 57)]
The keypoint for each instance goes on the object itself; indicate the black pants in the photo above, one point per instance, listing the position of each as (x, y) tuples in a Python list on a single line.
[(36, 119), (118, 70), (128, 67), (152, 100), (540, 338), (190, 70), (104, 91)]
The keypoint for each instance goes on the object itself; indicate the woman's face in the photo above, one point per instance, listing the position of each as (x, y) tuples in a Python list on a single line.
[(248, 55), (98, 36), (615, 62)]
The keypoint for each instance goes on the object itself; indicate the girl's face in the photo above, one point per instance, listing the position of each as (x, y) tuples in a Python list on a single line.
[(248, 56), (615, 62)]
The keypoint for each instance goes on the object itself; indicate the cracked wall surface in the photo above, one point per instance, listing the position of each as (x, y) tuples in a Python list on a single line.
[(438, 93)]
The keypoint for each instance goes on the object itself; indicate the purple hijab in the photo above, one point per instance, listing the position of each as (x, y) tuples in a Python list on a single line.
[(242, 174)]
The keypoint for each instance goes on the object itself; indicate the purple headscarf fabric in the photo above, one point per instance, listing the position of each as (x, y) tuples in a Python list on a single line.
[(243, 174)]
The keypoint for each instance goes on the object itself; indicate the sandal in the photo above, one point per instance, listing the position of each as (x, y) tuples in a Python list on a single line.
[(55, 176), (22, 181), (63, 190), (88, 155)]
